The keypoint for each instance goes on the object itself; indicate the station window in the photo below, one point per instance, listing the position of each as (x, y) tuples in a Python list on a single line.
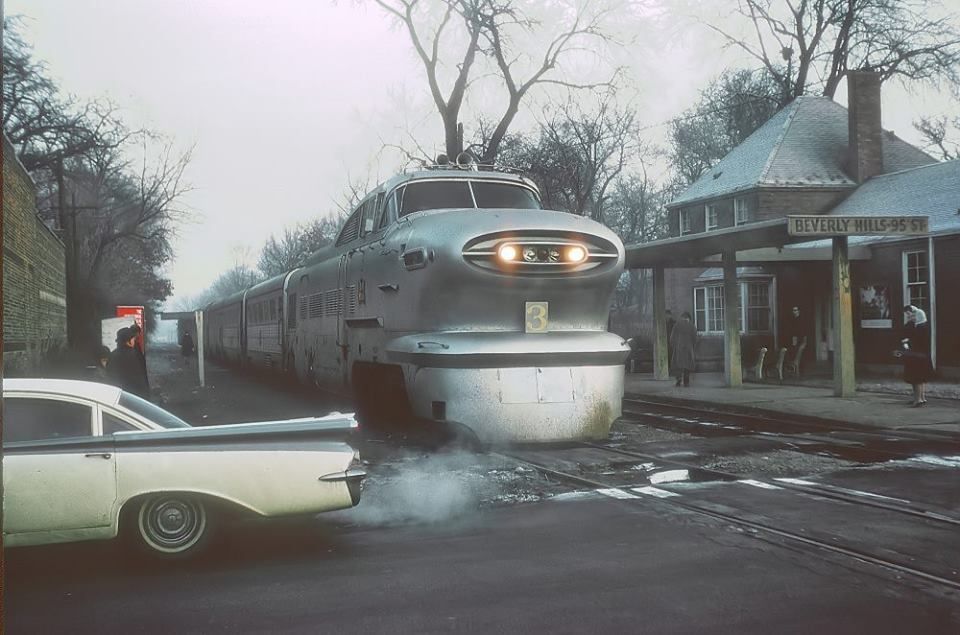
[(708, 304), (711, 217), (757, 309), (916, 279), (741, 210), (708, 307)]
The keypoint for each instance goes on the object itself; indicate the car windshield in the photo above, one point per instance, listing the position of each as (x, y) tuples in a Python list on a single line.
[(419, 196), (151, 412)]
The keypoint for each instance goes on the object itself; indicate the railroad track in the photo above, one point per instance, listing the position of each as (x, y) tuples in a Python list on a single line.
[(795, 422), (821, 490), (765, 526)]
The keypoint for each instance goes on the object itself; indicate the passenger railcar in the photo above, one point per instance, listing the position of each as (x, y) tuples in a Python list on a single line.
[(223, 322), (449, 293)]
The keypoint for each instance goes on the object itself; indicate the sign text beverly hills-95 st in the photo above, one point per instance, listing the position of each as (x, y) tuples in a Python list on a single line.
[(857, 225)]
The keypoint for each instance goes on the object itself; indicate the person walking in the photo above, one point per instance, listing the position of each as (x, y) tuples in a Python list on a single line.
[(683, 358), (186, 347), (125, 367), (915, 353)]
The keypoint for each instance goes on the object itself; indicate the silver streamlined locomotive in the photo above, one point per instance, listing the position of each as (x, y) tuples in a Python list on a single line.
[(450, 294)]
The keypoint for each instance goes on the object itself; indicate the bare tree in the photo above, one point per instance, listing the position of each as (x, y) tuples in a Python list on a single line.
[(577, 155), (121, 218), (491, 29), (809, 45), (940, 134), (729, 110), (116, 214), (296, 244), (46, 128)]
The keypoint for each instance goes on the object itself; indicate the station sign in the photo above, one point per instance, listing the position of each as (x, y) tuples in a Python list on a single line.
[(812, 225), (135, 312)]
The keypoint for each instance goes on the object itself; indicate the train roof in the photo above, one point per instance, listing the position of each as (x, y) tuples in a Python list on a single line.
[(453, 173), (224, 301), (270, 284)]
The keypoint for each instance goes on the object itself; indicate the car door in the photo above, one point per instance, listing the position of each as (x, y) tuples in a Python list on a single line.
[(59, 474)]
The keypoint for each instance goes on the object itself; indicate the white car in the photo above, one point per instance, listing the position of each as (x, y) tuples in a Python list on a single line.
[(86, 461)]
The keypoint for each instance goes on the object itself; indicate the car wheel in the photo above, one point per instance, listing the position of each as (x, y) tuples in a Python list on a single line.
[(172, 525)]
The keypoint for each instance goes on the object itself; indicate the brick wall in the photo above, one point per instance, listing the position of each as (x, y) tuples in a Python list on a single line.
[(34, 278), (865, 133), (765, 204), (777, 203), (947, 255)]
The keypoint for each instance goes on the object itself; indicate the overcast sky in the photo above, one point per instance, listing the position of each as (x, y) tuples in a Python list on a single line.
[(286, 101)]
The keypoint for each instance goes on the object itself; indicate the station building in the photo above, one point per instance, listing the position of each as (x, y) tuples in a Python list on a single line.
[(815, 157), (34, 275)]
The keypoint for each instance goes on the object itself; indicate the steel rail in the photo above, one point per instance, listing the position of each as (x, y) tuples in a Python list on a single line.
[(849, 552), (827, 492)]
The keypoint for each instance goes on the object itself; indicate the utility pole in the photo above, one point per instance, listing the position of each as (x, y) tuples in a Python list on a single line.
[(67, 221), (67, 234)]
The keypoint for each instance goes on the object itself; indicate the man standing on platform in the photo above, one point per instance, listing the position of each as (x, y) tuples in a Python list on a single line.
[(683, 358), (794, 333)]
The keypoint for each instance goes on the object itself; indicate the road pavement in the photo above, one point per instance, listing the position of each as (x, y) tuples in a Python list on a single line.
[(446, 540)]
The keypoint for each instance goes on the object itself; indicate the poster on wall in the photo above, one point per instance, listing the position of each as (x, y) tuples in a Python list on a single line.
[(875, 307)]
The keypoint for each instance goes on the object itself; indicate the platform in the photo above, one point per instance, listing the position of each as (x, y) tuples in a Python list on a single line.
[(869, 409)]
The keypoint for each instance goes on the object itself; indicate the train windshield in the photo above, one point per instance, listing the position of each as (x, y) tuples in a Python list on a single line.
[(425, 195), (504, 195)]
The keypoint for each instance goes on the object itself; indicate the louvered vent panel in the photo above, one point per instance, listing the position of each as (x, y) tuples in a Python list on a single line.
[(316, 305), (352, 299), (303, 307), (331, 302)]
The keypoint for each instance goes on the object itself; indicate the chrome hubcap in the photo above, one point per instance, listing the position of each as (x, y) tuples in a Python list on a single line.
[(172, 524)]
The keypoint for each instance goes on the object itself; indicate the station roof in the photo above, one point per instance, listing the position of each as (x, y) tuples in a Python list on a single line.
[(802, 145), (929, 190), (693, 250)]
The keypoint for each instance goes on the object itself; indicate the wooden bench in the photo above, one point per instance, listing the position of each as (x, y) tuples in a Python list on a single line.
[(794, 364), (776, 365), (758, 366)]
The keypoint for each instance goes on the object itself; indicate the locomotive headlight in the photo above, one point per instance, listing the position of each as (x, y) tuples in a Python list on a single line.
[(507, 253), (529, 254), (554, 255), (576, 254)]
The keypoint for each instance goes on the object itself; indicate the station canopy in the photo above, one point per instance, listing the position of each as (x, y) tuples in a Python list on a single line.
[(758, 242)]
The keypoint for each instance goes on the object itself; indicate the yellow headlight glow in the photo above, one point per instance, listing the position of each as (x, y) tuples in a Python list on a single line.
[(576, 254), (508, 253)]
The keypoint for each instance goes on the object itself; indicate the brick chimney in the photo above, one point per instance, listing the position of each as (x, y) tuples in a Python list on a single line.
[(865, 134)]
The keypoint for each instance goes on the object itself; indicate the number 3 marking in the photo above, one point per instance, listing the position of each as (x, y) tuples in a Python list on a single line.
[(536, 317)]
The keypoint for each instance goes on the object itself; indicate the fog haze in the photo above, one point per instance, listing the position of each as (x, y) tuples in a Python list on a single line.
[(286, 102)]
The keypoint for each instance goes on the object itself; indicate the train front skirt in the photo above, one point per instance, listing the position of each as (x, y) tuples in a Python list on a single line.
[(516, 387)]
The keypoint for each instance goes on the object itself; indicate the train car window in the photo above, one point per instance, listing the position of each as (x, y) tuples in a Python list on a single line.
[(367, 212), (378, 212), (389, 210), (503, 195), (292, 311), (435, 195), (273, 309)]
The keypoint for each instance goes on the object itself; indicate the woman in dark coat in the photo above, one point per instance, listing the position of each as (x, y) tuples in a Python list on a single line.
[(917, 367), (684, 342)]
